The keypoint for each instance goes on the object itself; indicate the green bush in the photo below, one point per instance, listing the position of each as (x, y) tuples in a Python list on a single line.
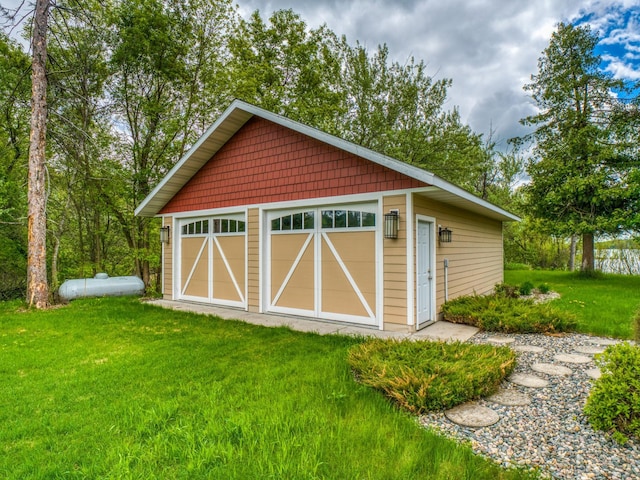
[(422, 376), (544, 288), (614, 403), (497, 313), (526, 288), (506, 290)]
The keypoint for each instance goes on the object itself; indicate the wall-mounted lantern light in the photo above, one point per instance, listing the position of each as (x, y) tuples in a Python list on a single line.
[(164, 234), (391, 224), (444, 235)]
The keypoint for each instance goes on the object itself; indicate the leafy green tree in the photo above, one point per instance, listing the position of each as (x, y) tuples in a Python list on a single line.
[(579, 176), (14, 144), (163, 57), (312, 76), (397, 109), (287, 68), (82, 159)]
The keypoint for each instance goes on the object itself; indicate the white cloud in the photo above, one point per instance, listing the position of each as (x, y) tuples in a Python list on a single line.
[(622, 71)]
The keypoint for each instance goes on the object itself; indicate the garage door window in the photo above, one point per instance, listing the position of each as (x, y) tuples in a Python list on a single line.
[(225, 225), (196, 228), (332, 219), (294, 221)]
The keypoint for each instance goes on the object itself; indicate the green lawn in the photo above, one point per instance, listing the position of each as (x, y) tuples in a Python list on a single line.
[(604, 306), (112, 388)]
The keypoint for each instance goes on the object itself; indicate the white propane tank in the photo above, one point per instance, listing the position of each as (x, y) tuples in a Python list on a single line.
[(100, 286)]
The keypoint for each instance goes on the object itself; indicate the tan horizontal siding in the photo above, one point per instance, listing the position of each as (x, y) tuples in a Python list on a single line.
[(395, 264), (392, 311), (475, 254), (253, 260)]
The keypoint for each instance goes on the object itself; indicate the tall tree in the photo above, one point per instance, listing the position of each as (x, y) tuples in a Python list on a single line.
[(37, 285), (398, 109), (79, 136), (579, 178), (285, 67), (163, 53), (15, 86), (312, 76)]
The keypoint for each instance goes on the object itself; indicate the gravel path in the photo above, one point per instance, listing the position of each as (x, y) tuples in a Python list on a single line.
[(551, 432)]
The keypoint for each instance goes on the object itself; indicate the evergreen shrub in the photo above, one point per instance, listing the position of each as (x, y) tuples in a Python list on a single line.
[(526, 288), (614, 402), (499, 313), (544, 288), (422, 376)]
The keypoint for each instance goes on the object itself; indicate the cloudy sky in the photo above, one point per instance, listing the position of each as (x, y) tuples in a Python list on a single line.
[(489, 48)]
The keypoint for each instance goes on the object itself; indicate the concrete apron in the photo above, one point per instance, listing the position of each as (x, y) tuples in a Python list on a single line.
[(439, 331)]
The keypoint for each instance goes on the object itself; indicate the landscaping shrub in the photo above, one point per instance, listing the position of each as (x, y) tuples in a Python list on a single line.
[(544, 288), (498, 313), (423, 376), (506, 290), (614, 402), (526, 288)]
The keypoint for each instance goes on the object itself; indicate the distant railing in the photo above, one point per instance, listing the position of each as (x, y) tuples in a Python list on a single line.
[(616, 260)]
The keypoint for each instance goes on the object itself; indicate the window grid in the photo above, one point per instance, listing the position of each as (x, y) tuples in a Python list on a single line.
[(294, 221), (347, 219), (220, 225)]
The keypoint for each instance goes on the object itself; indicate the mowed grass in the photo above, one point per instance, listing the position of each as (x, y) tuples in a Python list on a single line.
[(115, 388), (603, 306)]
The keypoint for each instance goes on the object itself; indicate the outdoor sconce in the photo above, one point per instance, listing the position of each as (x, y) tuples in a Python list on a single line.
[(164, 234), (444, 235), (391, 224)]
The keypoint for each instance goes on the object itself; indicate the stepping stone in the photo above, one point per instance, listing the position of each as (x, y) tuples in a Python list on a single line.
[(527, 380), (602, 341), (501, 339), (510, 398), (551, 369), (472, 415), (528, 348), (572, 358), (594, 373), (590, 350)]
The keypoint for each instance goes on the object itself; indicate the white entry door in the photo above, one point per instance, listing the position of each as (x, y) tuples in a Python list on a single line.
[(424, 273)]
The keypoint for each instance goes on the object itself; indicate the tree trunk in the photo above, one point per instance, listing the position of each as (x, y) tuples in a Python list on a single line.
[(572, 253), (588, 257), (37, 286), (57, 240)]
